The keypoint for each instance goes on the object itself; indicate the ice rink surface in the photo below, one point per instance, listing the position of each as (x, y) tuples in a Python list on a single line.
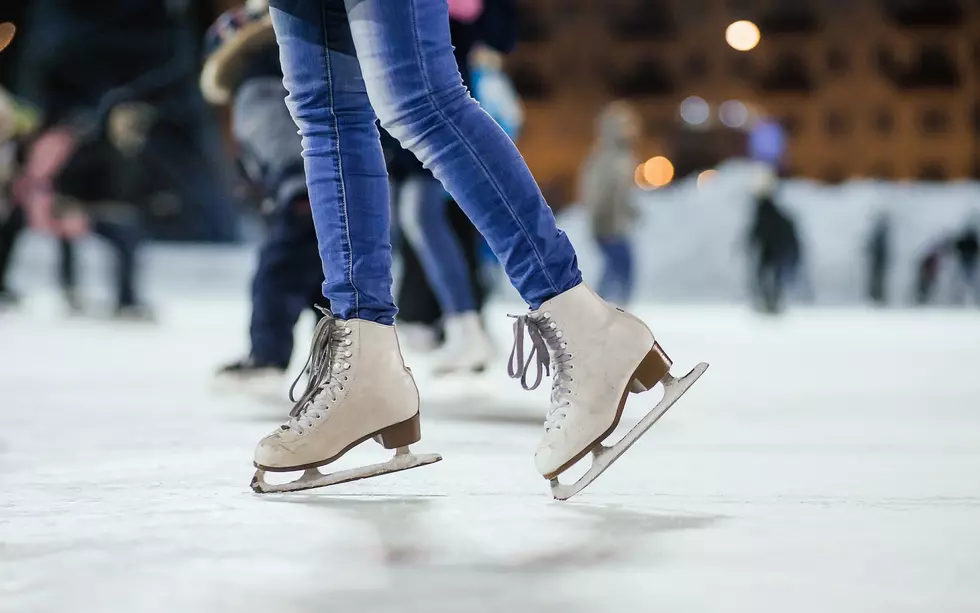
[(828, 461)]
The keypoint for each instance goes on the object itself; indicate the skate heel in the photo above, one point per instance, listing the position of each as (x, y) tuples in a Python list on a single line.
[(402, 434), (651, 370)]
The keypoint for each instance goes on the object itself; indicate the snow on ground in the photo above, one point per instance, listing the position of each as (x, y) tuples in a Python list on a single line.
[(828, 461)]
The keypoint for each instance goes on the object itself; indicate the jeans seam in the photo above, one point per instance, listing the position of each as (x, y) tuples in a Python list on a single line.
[(429, 95), (339, 166)]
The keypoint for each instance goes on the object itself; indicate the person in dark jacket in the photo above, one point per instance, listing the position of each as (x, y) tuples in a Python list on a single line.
[(775, 250), (879, 258)]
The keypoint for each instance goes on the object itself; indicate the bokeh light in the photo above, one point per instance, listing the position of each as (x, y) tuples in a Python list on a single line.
[(733, 113), (706, 177), (658, 171), (743, 35), (695, 111), (640, 178)]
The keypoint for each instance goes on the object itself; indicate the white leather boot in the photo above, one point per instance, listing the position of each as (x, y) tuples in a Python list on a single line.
[(358, 389), (598, 354), (467, 348)]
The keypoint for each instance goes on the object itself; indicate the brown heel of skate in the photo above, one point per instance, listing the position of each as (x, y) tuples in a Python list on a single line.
[(654, 367), (402, 434)]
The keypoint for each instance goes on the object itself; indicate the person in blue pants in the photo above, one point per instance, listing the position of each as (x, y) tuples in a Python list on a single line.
[(347, 64)]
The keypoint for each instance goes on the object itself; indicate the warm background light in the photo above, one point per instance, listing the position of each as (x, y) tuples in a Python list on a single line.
[(706, 177), (640, 179), (743, 35), (658, 171)]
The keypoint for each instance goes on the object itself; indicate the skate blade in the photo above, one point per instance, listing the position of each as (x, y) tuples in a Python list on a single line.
[(603, 456), (312, 478)]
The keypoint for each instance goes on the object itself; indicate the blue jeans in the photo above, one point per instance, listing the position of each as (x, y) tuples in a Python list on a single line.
[(346, 63), (421, 204), (617, 276)]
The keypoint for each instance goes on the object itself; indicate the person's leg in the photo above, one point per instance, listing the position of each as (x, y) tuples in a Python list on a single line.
[(10, 231), (414, 83), (281, 285), (628, 270), (124, 240), (607, 282), (405, 53), (345, 169), (357, 375), (424, 223)]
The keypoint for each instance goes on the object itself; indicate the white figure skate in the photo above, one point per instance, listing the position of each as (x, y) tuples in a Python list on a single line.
[(358, 389), (597, 355), (467, 348)]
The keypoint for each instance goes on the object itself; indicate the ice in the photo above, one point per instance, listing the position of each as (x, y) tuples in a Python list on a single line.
[(828, 461)]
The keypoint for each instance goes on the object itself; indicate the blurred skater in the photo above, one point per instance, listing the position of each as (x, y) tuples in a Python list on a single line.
[(14, 126), (242, 70), (926, 275), (774, 249), (84, 175), (966, 249), (879, 260), (89, 57), (607, 190)]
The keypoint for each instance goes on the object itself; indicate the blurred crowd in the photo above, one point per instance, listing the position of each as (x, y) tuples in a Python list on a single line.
[(126, 122)]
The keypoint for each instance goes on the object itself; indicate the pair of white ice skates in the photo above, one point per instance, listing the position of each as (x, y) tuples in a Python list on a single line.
[(359, 389)]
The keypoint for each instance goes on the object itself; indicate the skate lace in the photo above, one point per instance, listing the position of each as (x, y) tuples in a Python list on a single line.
[(548, 351), (327, 365)]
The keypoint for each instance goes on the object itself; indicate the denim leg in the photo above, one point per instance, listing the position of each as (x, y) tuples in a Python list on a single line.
[(287, 274), (345, 168), (424, 223), (412, 78), (617, 276)]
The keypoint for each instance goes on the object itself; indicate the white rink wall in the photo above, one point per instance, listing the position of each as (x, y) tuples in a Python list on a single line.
[(689, 242)]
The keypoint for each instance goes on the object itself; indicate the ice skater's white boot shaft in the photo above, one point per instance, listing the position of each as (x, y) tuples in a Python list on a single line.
[(598, 354), (358, 388), (467, 347)]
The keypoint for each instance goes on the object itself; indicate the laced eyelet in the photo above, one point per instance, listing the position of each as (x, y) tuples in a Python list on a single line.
[(346, 330), (346, 366), (348, 342), (547, 315)]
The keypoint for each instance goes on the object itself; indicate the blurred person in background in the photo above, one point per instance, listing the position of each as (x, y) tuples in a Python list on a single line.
[(774, 248), (879, 259), (438, 240), (927, 274), (85, 175), (966, 249), (607, 190), (86, 58), (242, 70), (16, 123)]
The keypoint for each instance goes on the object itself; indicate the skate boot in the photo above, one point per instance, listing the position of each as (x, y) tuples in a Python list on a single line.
[(596, 355), (358, 389), (467, 348), (255, 376)]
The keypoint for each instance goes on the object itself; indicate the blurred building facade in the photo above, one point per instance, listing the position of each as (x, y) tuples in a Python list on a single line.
[(864, 88)]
